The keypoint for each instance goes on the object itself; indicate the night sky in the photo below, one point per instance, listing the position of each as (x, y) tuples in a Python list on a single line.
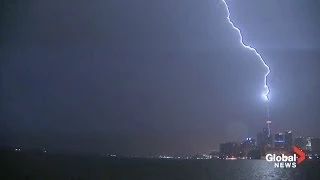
[(150, 76)]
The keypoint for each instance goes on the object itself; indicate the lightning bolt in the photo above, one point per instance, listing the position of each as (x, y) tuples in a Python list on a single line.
[(266, 91)]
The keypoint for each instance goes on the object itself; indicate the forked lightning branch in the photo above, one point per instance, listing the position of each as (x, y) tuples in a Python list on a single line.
[(265, 94)]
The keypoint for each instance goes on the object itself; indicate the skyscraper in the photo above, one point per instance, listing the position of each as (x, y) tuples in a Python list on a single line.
[(266, 139), (279, 140), (303, 143), (246, 146), (230, 149), (315, 144), (260, 143), (265, 135), (288, 139)]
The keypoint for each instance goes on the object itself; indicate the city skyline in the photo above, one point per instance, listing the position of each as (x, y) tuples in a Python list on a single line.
[(254, 139)]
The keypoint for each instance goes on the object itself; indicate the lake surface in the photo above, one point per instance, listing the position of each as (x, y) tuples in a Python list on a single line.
[(46, 167)]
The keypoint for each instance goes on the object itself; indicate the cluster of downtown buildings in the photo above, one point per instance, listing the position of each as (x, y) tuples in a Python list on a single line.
[(267, 142)]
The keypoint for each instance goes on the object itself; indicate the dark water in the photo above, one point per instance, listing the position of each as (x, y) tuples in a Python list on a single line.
[(67, 167)]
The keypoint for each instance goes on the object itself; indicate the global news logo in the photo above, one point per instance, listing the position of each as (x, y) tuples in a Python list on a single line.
[(284, 161)]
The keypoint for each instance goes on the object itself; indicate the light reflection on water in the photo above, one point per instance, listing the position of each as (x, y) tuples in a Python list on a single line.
[(217, 170), (57, 167), (259, 169)]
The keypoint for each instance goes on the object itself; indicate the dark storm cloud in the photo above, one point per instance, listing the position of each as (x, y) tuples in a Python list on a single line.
[(142, 76)]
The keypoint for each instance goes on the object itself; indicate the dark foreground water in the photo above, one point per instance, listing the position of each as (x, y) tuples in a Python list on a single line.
[(46, 167)]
